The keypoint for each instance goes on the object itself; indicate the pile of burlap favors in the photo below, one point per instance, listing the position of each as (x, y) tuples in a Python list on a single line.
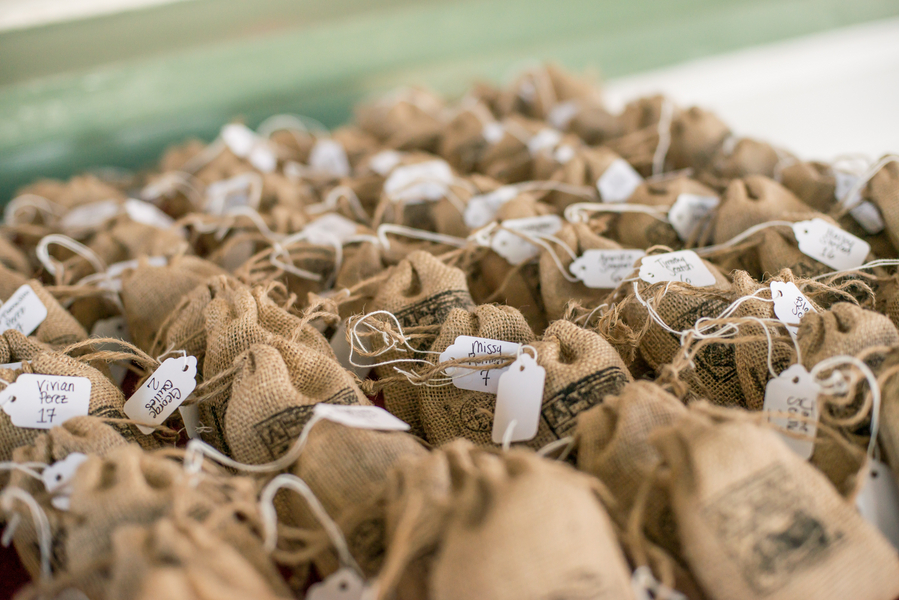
[(509, 347)]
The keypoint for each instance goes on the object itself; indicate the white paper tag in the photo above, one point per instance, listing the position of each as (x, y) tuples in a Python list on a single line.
[(790, 305), (58, 479), (226, 194), (344, 584), (163, 392), (689, 211), (482, 209), (562, 113), (146, 213), (878, 500), (190, 415), (563, 154), (23, 312), (38, 401), (485, 380), (113, 327), (422, 182), (341, 347), (684, 266), (493, 132), (794, 391), (239, 138), (604, 269), (516, 249), (329, 227), (360, 417), (618, 181), (519, 398), (89, 216), (866, 213), (545, 139), (328, 155), (830, 245), (384, 161)]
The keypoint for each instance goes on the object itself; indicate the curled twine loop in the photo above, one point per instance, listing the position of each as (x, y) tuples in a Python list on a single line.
[(56, 268), (33, 204), (41, 522), (172, 182), (483, 238), (333, 198)]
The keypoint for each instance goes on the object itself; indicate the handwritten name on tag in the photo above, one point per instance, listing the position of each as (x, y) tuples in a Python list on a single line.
[(23, 312), (485, 380), (830, 245), (604, 269), (164, 391), (684, 266), (790, 305), (35, 401), (618, 181), (794, 392), (516, 249)]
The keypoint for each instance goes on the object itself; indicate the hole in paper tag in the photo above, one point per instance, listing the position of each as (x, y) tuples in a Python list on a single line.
[(421, 182), (383, 162), (360, 417), (794, 391), (482, 209), (865, 213), (519, 398), (241, 190), (344, 584), (486, 380), (89, 216), (329, 227), (830, 245), (162, 392), (688, 212), (618, 181), (516, 249), (146, 213), (37, 401), (23, 312), (562, 113), (545, 139), (493, 132), (58, 479), (684, 266), (790, 305), (341, 347), (878, 500), (328, 155), (604, 269)]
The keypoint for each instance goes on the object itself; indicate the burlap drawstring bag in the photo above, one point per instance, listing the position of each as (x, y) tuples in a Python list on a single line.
[(81, 189), (696, 136), (509, 160), (844, 329), (150, 293), (60, 328), (181, 560), (420, 291), (410, 119), (15, 347), (756, 521), (485, 552), (883, 191), (448, 412), (746, 157), (12, 258), (612, 445), (463, 142), (556, 289), (538, 91), (638, 230)]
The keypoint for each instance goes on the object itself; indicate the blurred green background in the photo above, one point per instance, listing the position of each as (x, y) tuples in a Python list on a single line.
[(117, 89)]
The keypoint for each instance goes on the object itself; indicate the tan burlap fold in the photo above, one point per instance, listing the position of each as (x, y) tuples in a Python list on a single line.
[(410, 119), (59, 328)]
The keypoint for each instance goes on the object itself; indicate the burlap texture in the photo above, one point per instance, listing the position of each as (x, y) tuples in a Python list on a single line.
[(845, 329), (12, 258), (10, 281), (812, 182), (509, 159), (81, 189), (150, 293), (15, 347), (409, 121), (754, 200), (756, 521), (447, 412), (748, 157), (889, 412), (462, 142), (420, 291), (883, 191), (486, 553), (696, 136), (556, 290), (535, 92), (60, 328)]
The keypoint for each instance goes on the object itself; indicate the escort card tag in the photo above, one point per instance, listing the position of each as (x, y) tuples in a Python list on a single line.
[(866, 213), (486, 380), (688, 212), (790, 305), (422, 182), (344, 584), (163, 392), (519, 397), (35, 401), (604, 269), (517, 249), (58, 479), (618, 181), (328, 156), (23, 312), (360, 417), (794, 391), (482, 209), (830, 245), (684, 266)]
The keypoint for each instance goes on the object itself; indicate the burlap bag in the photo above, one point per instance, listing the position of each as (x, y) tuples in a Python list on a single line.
[(448, 412), (696, 136), (593, 124), (150, 293), (583, 168), (883, 191), (887, 299), (410, 119), (486, 553), (420, 291), (556, 290), (844, 329), (509, 160), (181, 560), (12, 258), (463, 142), (637, 230), (15, 347), (756, 521), (81, 189), (536, 92), (746, 157), (889, 410), (60, 328), (10, 281)]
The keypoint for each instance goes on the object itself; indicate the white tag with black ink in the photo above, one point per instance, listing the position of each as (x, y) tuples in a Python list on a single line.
[(466, 346), (830, 245), (794, 391), (328, 156), (163, 392), (618, 181), (422, 182), (58, 479), (89, 216), (493, 132), (519, 398), (516, 249), (684, 266), (38, 401), (604, 269), (866, 213), (23, 312), (688, 212), (790, 305), (384, 161), (146, 213), (545, 139), (360, 417), (344, 584), (562, 113), (482, 209), (341, 347), (878, 500)]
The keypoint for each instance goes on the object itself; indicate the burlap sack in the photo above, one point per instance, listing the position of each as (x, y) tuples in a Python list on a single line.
[(182, 560), (556, 290), (463, 142), (538, 91), (15, 347), (566, 163), (10, 281), (746, 157), (593, 124), (696, 136), (60, 328), (844, 329), (889, 410), (883, 191), (486, 553), (12, 258), (448, 412), (637, 230), (509, 160), (420, 291), (409, 119), (81, 189), (756, 521), (150, 293)]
